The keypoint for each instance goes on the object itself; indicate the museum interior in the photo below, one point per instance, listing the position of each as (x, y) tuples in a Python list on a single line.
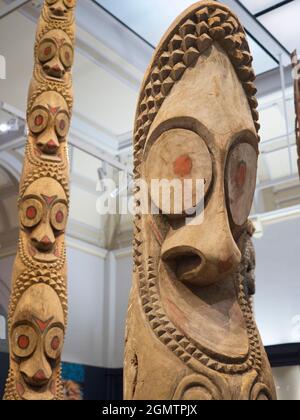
[(115, 42)]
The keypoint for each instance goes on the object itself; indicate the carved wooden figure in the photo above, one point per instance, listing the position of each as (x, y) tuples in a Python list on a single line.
[(191, 333), (38, 305), (296, 76)]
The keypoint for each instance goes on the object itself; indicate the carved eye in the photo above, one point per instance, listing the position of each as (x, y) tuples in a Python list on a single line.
[(31, 212), (241, 181), (54, 342), (51, 1), (66, 55), (59, 215), (24, 341), (70, 3), (180, 163), (62, 123), (47, 51), (38, 120)]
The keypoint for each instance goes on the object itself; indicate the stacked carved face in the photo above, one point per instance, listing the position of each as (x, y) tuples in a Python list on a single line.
[(55, 56), (49, 122), (37, 336), (59, 9), (43, 214)]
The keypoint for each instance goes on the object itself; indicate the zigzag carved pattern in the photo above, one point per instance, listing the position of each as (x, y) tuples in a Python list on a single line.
[(183, 347)]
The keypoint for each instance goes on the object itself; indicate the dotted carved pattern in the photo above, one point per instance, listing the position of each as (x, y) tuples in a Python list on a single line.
[(44, 275), (207, 23), (46, 170), (50, 166), (50, 86), (31, 264)]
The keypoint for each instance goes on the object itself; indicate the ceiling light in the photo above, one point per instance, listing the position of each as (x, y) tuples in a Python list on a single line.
[(4, 128)]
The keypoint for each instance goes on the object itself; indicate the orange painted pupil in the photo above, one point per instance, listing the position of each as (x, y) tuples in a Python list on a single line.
[(183, 166), (39, 120), (47, 51), (55, 343), (59, 217), (31, 212), (23, 342), (67, 56), (241, 174)]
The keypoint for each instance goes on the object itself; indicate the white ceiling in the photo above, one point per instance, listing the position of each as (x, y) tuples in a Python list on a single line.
[(276, 20), (256, 6)]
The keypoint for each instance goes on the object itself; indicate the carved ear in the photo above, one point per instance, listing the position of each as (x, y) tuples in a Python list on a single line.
[(250, 228)]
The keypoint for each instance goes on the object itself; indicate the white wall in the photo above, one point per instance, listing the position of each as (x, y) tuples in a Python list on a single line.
[(84, 340), (277, 301), (119, 271), (287, 380)]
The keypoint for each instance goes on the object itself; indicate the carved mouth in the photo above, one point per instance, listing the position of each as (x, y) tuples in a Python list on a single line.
[(47, 256), (34, 384), (52, 158), (59, 14), (55, 72)]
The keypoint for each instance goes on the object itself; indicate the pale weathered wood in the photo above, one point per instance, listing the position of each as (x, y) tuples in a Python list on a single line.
[(38, 304), (296, 76), (190, 329)]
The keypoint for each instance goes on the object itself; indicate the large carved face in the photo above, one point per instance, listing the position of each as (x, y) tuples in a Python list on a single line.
[(36, 341), (43, 218), (204, 130), (55, 54), (49, 122), (59, 9)]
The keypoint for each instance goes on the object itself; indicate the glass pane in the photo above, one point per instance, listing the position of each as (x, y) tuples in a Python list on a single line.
[(256, 6), (276, 22), (151, 18), (272, 123), (262, 62)]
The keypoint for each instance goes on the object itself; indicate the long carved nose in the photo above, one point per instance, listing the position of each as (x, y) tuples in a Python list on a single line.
[(43, 238), (203, 254), (54, 68), (36, 370), (48, 142), (58, 9)]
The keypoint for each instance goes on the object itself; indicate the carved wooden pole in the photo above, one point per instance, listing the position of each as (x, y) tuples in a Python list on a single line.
[(191, 333), (296, 76), (38, 305)]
